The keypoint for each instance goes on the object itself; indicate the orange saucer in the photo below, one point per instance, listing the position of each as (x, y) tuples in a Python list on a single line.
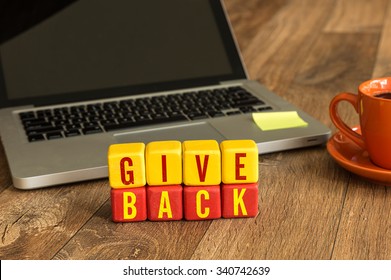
[(355, 159)]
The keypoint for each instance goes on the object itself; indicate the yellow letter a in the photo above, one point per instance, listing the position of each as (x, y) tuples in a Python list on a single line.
[(165, 206)]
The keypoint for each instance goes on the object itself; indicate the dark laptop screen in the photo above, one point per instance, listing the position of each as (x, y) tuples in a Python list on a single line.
[(101, 48)]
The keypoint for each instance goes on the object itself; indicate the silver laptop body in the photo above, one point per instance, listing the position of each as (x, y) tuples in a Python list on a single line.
[(31, 84)]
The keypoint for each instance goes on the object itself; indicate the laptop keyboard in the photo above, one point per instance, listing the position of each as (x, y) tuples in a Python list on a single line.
[(87, 119)]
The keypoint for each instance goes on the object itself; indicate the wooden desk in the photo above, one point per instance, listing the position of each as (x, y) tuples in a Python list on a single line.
[(310, 208)]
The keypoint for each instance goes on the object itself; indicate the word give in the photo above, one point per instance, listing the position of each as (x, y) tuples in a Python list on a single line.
[(195, 180)]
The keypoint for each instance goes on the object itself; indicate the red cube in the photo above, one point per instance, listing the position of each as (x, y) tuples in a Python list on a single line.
[(165, 203), (239, 200), (129, 205), (202, 202)]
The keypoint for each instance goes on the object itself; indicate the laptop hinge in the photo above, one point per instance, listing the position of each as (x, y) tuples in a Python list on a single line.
[(233, 82)]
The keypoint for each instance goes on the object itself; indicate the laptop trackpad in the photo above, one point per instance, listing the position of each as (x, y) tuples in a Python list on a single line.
[(198, 131)]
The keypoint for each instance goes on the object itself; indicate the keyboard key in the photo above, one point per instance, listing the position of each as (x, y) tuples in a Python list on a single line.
[(108, 122), (42, 129), (177, 118), (197, 115), (233, 113), (92, 129), (265, 108), (159, 116), (70, 127), (34, 122), (36, 137), (72, 133), (215, 114), (53, 135), (246, 101), (142, 118), (121, 125), (27, 115), (247, 109)]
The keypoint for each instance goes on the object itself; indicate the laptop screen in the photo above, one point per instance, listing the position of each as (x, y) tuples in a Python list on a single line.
[(99, 48)]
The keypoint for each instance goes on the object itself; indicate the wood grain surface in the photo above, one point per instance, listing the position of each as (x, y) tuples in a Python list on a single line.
[(310, 208)]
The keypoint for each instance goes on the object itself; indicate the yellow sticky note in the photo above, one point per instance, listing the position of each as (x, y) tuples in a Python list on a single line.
[(278, 120)]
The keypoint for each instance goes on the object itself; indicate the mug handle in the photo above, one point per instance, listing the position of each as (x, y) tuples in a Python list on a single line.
[(339, 123)]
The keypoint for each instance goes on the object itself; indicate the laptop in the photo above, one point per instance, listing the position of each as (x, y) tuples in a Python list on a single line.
[(99, 72)]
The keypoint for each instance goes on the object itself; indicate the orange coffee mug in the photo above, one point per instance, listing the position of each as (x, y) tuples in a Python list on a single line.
[(373, 105)]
